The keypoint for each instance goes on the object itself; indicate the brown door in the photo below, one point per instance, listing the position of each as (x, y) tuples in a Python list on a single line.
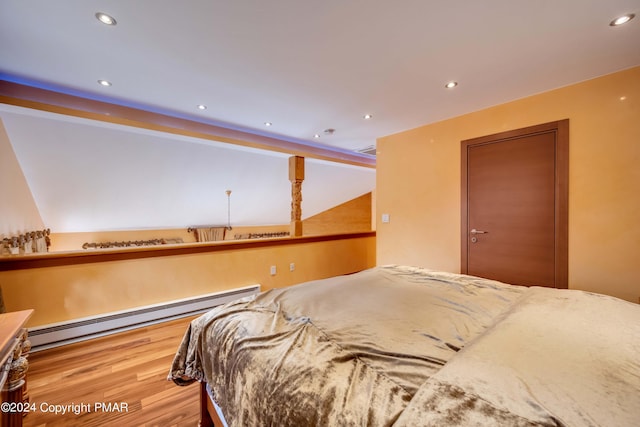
[(514, 206)]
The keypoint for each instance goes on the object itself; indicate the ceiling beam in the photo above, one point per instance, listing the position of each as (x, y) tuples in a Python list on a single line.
[(21, 95)]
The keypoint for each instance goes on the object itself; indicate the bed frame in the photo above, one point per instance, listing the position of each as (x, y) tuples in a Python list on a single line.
[(208, 415)]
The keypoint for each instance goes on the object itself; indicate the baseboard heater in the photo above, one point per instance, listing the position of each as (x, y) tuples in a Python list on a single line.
[(57, 334)]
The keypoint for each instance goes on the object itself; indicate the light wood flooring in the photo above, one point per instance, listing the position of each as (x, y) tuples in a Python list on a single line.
[(127, 368)]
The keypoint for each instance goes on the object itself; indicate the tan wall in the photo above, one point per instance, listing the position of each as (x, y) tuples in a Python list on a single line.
[(349, 217), (18, 211), (75, 291), (418, 182)]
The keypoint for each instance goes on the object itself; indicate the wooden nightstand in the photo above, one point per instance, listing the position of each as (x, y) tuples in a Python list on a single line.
[(14, 347)]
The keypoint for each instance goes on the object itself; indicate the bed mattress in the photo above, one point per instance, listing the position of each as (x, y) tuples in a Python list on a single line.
[(405, 346)]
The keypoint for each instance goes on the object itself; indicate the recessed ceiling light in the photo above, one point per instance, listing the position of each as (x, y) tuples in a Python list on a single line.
[(622, 19), (104, 82), (106, 19), (267, 124), (367, 117), (202, 107), (451, 85), (316, 136)]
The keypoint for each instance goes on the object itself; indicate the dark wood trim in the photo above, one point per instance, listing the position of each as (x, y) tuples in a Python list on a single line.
[(55, 102), (561, 129), (464, 208), (562, 204), (205, 408), (55, 259)]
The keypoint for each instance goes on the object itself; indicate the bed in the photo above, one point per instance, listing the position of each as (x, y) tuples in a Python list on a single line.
[(405, 346)]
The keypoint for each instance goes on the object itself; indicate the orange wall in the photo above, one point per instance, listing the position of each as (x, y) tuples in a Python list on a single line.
[(418, 182), (75, 291)]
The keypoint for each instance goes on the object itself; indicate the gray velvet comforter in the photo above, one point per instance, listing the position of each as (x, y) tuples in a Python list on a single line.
[(409, 347)]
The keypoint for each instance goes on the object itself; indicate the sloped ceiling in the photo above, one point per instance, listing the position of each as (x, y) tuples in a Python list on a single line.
[(94, 176)]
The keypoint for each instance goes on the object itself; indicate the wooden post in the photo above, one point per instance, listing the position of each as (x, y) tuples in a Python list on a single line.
[(296, 176)]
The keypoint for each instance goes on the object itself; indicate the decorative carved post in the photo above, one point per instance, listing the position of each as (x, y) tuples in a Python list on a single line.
[(13, 375), (296, 176), (16, 384), (26, 349)]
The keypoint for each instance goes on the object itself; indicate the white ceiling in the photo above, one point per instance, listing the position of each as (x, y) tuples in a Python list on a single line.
[(304, 66), (308, 66)]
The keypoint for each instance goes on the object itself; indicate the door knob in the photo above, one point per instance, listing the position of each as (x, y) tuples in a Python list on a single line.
[(474, 231)]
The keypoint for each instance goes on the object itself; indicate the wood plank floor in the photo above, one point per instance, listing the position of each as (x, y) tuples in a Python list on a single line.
[(129, 369)]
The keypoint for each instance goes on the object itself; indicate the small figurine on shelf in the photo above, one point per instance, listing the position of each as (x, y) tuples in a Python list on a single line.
[(14, 246)]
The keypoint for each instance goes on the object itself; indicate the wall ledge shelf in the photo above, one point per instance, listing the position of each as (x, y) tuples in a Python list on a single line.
[(54, 259)]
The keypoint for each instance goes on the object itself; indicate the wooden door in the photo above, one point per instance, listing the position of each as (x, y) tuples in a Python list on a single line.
[(514, 206)]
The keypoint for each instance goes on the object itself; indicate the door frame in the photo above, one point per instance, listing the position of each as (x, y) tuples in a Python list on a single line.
[(561, 130)]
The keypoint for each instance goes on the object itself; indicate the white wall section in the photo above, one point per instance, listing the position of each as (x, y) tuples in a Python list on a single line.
[(93, 176)]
